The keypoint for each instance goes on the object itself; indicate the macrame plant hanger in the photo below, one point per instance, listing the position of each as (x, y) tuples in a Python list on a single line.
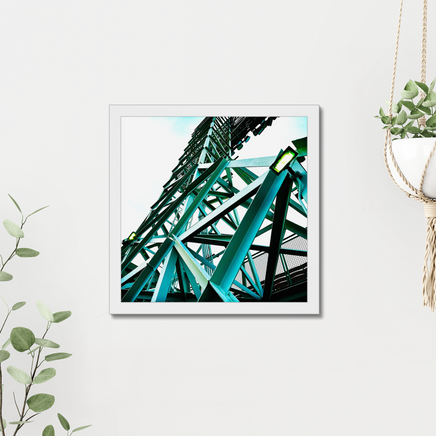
[(429, 271)]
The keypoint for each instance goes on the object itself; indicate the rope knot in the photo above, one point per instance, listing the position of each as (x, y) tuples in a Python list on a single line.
[(430, 210)]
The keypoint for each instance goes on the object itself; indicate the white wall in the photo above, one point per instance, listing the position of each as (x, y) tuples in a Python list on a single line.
[(366, 365)]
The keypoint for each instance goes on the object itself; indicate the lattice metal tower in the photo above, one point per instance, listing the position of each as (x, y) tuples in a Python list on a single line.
[(200, 241)]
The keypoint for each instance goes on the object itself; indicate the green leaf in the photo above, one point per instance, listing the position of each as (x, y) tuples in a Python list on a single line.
[(5, 277), (409, 105), (4, 423), (382, 112), (413, 129), (426, 110), (46, 343), (48, 431), (16, 204), (429, 103), (414, 115), (6, 343), (19, 422), (33, 213), (22, 339), (44, 375), (18, 305), (403, 134), (44, 311), (13, 229), (57, 356), (26, 252), (423, 86), (432, 86), (4, 355), (19, 375), (426, 134), (431, 122), (80, 428), (61, 316), (386, 120), (431, 96), (395, 108), (410, 90), (40, 402), (401, 118), (396, 130), (65, 424)]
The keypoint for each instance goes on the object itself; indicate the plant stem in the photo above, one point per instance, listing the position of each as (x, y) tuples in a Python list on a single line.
[(1, 329), (1, 401), (27, 388), (16, 246)]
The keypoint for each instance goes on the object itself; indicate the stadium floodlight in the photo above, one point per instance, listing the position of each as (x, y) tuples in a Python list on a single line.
[(284, 160)]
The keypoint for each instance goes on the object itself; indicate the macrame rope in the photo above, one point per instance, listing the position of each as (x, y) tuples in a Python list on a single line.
[(421, 121), (429, 270)]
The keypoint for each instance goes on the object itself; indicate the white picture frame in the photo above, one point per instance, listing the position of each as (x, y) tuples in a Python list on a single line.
[(118, 113)]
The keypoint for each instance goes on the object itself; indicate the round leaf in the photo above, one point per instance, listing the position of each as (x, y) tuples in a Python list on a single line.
[(4, 355), (65, 424), (57, 356), (19, 375), (48, 431), (44, 311), (26, 252), (40, 402), (401, 118), (46, 343), (44, 375), (16, 306), (80, 428), (13, 229), (5, 277), (22, 339), (61, 316), (410, 90)]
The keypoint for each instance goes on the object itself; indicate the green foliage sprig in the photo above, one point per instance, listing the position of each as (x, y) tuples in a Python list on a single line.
[(408, 112), (23, 340)]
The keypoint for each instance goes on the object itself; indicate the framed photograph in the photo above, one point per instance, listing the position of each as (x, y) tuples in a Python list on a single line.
[(214, 204)]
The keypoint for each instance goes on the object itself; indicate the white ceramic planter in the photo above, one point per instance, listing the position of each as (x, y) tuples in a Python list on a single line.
[(411, 156)]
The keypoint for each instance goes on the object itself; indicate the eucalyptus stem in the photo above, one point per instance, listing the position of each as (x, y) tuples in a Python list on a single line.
[(23, 412), (15, 249), (7, 316), (1, 401)]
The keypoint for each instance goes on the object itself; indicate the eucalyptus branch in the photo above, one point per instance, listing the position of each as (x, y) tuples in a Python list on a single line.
[(1, 401), (7, 316), (16, 405), (23, 412), (23, 339)]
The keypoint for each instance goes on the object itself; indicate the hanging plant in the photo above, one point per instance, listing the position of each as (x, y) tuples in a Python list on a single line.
[(405, 124), (409, 161)]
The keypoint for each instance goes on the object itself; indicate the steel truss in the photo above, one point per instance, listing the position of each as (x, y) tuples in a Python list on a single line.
[(199, 243)]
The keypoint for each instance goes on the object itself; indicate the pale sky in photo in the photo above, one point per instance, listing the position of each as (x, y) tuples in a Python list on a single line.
[(151, 148)]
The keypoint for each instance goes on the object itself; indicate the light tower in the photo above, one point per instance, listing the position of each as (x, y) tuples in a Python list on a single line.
[(222, 230)]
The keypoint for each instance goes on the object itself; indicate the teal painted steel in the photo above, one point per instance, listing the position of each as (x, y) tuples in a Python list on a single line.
[(236, 251), (197, 212)]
